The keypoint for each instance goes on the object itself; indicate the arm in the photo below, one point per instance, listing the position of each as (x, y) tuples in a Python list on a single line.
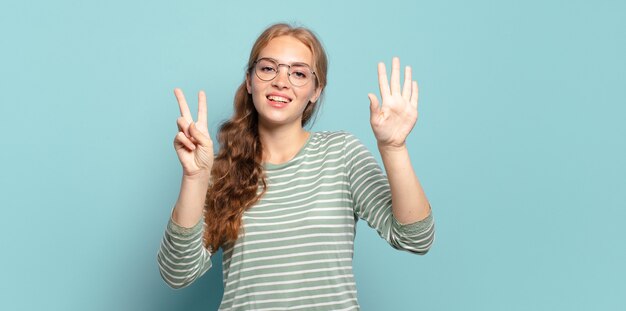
[(372, 198), (409, 201), (392, 122), (195, 152), (412, 222), (182, 257)]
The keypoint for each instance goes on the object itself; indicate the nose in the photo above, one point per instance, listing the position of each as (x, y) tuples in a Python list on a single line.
[(282, 78)]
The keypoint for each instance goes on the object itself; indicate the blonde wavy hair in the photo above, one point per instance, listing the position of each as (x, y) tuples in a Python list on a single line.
[(238, 167)]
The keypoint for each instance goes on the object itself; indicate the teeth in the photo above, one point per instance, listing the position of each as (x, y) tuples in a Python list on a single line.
[(278, 99)]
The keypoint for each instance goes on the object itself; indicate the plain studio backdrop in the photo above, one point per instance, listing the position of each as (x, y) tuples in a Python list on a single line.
[(520, 145)]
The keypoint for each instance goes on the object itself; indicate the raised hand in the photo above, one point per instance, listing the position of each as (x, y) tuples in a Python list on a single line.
[(393, 121), (193, 143)]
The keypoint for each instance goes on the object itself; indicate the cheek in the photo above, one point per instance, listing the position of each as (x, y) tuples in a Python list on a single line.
[(257, 87), (307, 95), (255, 92)]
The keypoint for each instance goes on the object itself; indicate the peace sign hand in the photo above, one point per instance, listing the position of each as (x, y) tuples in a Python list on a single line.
[(193, 143), (393, 122)]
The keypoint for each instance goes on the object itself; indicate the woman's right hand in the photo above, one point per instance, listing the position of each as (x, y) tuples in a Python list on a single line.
[(193, 143)]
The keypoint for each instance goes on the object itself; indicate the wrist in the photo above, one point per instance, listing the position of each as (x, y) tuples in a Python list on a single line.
[(391, 148), (203, 177)]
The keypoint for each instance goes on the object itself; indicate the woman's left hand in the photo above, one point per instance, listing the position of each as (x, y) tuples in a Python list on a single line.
[(393, 121)]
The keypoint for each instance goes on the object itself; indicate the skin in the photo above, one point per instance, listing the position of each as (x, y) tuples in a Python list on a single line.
[(282, 135)]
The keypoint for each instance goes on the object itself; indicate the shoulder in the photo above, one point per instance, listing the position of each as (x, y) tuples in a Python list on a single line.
[(335, 144), (325, 143), (333, 137)]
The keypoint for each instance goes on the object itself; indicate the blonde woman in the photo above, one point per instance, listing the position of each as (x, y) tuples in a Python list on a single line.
[(282, 202)]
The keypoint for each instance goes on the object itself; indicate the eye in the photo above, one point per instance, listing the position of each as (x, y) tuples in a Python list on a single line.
[(299, 73), (268, 69)]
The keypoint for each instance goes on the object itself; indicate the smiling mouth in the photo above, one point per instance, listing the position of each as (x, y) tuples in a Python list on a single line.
[(279, 99)]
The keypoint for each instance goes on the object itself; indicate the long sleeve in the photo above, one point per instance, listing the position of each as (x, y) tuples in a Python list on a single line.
[(372, 202), (182, 257)]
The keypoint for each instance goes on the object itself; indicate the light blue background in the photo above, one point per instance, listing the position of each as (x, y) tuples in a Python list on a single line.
[(520, 145)]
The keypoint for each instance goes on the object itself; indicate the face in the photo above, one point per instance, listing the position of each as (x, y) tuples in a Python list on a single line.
[(277, 101)]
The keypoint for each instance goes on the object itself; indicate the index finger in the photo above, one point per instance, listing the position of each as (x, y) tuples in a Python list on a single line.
[(202, 111), (182, 105), (383, 84)]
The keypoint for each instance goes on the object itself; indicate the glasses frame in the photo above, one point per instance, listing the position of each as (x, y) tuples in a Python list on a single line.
[(278, 70)]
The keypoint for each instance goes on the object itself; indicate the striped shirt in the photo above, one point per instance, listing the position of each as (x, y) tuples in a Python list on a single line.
[(295, 248)]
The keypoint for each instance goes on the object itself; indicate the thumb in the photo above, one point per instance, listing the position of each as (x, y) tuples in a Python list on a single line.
[(374, 108), (197, 135)]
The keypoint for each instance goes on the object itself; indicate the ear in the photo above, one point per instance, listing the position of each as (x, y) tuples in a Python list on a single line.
[(316, 96), (248, 84)]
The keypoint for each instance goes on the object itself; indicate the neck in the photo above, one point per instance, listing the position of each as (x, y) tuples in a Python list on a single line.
[(281, 144)]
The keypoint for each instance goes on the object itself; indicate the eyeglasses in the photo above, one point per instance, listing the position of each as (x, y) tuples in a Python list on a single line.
[(267, 69)]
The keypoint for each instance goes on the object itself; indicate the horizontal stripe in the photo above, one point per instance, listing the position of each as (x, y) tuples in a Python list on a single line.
[(299, 289), (295, 249), (321, 209), (279, 274), (255, 209), (297, 264)]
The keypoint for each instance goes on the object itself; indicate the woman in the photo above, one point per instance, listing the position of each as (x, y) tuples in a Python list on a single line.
[(282, 202)]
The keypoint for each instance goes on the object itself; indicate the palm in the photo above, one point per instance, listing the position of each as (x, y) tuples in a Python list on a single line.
[(393, 121), (195, 152)]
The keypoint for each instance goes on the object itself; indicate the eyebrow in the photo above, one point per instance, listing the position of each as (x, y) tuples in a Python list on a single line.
[(290, 64)]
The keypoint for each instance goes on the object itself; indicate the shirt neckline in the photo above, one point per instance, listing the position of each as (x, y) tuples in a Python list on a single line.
[(295, 159)]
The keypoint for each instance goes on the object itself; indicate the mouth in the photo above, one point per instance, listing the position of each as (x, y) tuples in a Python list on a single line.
[(277, 99)]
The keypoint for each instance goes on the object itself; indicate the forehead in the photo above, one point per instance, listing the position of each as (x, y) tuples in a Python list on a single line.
[(287, 49)]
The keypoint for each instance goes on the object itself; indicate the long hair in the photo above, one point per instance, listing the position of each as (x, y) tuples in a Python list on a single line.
[(237, 171)]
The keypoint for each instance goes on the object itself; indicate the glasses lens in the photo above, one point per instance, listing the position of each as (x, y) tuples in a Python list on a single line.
[(299, 75), (266, 69)]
